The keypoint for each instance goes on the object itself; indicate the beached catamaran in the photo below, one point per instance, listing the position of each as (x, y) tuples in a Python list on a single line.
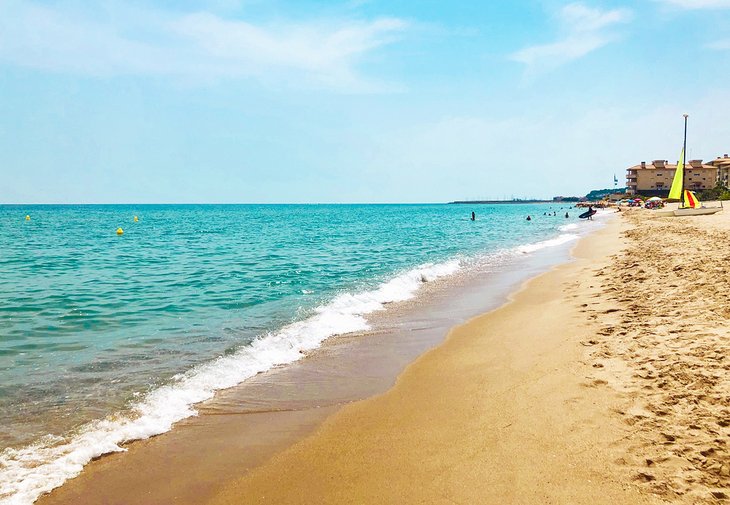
[(690, 205)]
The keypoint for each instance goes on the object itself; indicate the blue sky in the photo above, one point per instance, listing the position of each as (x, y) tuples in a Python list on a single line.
[(353, 101)]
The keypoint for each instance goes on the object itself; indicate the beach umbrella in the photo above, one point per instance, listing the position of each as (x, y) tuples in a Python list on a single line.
[(654, 199)]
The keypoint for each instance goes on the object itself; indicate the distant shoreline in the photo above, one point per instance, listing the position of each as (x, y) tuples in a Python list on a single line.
[(460, 202)]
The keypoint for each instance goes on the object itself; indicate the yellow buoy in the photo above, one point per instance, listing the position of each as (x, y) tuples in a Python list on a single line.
[(27, 218), (136, 219), (119, 231)]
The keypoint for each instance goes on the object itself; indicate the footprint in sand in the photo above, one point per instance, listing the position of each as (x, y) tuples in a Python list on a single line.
[(594, 383), (645, 477)]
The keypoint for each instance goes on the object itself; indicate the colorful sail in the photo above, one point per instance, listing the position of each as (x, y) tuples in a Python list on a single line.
[(691, 200), (675, 193)]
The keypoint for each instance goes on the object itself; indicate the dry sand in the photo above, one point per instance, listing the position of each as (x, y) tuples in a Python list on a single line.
[(664, 339), (602, 381)]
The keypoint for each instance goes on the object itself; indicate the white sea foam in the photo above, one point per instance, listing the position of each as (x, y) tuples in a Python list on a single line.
[(28, 472), (559, 240), (568, 227)]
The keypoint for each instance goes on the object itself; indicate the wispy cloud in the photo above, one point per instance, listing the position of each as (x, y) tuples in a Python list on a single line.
[(583, 30), (719, 45), (697, 4), (195, 45), (327, 54)]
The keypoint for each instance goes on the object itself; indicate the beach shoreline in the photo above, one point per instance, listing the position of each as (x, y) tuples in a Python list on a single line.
[(486, 417), (576, 391), (275, 409), (545, 399)]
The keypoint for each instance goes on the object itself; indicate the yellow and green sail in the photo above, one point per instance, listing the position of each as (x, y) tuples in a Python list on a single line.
[(675, 193)]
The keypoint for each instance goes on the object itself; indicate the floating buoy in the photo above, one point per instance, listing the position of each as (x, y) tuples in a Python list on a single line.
[(136, 219), (27, 218), (120, 231)]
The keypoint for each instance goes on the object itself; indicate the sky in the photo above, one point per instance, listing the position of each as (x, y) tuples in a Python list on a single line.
[(312, 101)]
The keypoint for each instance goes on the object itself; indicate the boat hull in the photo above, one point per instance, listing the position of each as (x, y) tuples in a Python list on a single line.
[(702, 211)]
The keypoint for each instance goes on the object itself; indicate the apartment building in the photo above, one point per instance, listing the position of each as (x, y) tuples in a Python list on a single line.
[(655, 178), (722, 163)]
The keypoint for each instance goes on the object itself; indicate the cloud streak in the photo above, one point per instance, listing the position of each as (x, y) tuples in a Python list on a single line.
[(583, 30), (697, 4), (198, 46), (719, 45)]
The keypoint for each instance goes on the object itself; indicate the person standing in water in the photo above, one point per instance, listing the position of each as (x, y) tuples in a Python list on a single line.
[(473, 216), (529, 218)]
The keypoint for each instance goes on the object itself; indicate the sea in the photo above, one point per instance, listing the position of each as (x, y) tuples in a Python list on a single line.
[(107, 338)]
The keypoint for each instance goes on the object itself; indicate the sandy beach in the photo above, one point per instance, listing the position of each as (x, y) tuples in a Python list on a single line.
[(601, 381), (359, 252)]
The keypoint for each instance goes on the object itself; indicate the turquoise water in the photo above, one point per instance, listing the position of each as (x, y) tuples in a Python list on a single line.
[(92, 323)]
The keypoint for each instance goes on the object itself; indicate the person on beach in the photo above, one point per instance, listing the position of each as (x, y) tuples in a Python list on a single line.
[(590, 213), (473, 216)]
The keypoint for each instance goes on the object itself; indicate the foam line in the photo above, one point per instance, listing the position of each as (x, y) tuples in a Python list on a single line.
[(28, 472)]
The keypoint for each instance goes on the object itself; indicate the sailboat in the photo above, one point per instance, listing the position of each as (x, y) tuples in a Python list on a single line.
[(693, 207), (690, 205)]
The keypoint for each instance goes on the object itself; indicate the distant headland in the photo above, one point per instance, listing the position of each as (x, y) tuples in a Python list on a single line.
[(500, 201), (593, 196)]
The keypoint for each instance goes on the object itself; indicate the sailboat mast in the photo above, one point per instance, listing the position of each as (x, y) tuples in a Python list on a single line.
[(684, 150)]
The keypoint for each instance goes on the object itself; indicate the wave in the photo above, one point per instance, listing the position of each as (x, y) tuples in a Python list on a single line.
[(29, 472), (559, 240)]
